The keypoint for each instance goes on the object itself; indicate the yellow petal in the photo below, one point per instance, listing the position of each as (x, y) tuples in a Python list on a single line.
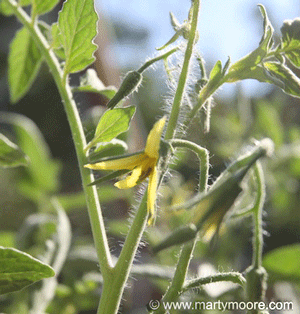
[(153, 140), (151, 195), (117, 164), (131, 180)]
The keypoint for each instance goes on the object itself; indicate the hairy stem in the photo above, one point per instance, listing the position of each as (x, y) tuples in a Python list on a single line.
[(203, 156), (234, 277), (257, 213), (182, 81), (187, 250), (113, 289)]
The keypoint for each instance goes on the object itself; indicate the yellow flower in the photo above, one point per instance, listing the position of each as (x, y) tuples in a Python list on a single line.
[(141, 165)]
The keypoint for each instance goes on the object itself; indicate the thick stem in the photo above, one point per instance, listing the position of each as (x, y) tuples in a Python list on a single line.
[(256, 275), (113, 289), (91, 195), (178, 281)]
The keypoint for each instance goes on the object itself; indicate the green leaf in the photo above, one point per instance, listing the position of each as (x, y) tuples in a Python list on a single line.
[(284, 263), (18, 270), (24, 61), (62, 241), (216, 72), (90, 82), (247, 67), (56, 41), (77, 23), (290, 41), (43, 6), (5, 9), (42, 172), (112, 123), (269, 121), (266, 40), (283, 77), (10, 154), (25, 3)]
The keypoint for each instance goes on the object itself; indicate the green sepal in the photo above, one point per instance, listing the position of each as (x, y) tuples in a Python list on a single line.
[(109, 158), (180, 30), (109, 177), (179, 236)]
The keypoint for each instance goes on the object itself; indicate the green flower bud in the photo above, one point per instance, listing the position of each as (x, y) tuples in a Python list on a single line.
[(130, 83)]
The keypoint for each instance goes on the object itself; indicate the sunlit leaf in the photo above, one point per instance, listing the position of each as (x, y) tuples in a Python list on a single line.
[(283, 77), (10, 154), (247, 67), (77, 23), (44, 6), (24, 61), (283, 263), (18, 270), (290, 41), (112, 123)]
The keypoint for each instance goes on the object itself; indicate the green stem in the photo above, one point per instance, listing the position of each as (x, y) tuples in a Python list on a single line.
[(153, 60), (113, 289), (178, 281), (257, 216), (93, 205), (234, 277), (187, 250), (256, 275), (182, 81), (203, 156)]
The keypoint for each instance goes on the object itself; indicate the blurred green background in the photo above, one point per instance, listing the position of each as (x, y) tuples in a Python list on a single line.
[(128, 34)]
